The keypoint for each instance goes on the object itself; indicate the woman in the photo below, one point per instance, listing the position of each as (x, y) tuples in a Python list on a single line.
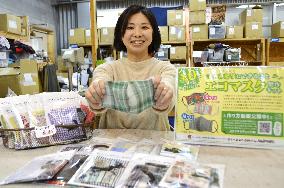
[(136, 33)]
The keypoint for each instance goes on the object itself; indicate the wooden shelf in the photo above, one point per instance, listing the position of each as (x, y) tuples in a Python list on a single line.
[(274, 52), (252, 50), (175, 43), (14, 36)]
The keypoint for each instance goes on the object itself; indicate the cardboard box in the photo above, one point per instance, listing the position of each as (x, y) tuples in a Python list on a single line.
[(175, 17), (9, 78), (77, 36), (217, 31), (253, 30), (199, 32), (177, 33), (10, 23), (107, 35), (164, 31), (251, 15), (277, 29), (163, 53), (197, 17), (235, 32), (29, 80), (178, 52), (195, 5), (88, 37)]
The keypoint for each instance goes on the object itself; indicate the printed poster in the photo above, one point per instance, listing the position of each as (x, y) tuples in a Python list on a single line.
[(233, 106)]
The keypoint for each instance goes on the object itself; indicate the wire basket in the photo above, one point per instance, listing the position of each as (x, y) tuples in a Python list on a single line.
[(26, 138)]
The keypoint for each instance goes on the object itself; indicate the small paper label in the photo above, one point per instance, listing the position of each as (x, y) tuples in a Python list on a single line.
[(173, 30), (87, 32), (231, 31), (178, 16), (212, 31), (71, 32), (12, 24), (45, 131), (161, 54), (196, 29), (105, 31), (249, 12), (254, 26), (282, 25), (229, 57), (179, 34), (3, 55), (173, 50), (28, 80), (196, 53)]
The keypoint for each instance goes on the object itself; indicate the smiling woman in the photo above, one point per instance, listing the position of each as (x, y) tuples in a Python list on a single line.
[(152, 82)]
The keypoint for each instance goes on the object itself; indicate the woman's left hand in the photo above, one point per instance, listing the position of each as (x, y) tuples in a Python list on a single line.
[(163, 94)]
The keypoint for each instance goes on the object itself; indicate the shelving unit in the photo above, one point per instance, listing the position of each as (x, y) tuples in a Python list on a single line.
[(274, 52), (14, 36), (252, 50)]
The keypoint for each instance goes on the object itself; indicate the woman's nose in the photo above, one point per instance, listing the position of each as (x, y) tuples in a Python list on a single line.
[(137, 32)]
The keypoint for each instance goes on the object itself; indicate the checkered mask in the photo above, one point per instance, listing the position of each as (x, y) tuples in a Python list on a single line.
[(131, 96)]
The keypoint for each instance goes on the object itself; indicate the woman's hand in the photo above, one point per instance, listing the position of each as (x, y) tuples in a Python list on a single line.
[(95, 94), (163, 94)]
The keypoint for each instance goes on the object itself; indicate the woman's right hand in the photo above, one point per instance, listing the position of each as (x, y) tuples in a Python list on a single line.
[(95, 94)]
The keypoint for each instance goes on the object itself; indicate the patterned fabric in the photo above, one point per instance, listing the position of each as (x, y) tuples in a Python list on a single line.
[(64, 116), (132, 96)]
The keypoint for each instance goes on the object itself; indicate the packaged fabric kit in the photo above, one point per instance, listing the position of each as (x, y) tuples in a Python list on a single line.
[(31, 121)]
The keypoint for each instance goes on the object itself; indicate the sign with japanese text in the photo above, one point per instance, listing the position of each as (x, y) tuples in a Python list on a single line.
[(234, 106)]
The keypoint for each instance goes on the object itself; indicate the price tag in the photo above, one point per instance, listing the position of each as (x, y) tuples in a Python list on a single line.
[(45, 131), (229, 57)]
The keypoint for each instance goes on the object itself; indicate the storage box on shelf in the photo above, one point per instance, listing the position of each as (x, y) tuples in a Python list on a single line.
[(252, 50), (274, 52)]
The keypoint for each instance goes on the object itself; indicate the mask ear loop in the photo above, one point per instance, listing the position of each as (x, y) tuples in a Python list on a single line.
[(215, 128)]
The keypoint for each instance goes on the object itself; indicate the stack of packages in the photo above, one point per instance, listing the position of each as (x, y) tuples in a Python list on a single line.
[(30, 121), (122, 162)]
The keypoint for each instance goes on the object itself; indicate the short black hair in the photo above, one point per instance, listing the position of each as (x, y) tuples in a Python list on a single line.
[(122, 23)]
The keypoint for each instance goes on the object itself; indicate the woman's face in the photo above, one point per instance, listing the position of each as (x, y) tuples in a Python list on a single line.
[(138, 35)]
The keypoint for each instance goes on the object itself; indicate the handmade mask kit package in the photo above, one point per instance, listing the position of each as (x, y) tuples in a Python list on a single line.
[(31, 121)]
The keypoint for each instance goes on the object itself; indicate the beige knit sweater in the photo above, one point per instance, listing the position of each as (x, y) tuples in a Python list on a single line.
[(124, 70)]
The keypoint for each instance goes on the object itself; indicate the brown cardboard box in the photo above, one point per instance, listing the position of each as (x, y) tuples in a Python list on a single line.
[(77, 36), (277, 29), (197, 17), (195, 5), (25, 28), (178, 52), (177, 33), (10, 23), (199, 32), (88, 37), (9, 78), (253, 30), (164, 30), (107, 35), (174, 17), (235, 32), (251, 15), (29, 81)]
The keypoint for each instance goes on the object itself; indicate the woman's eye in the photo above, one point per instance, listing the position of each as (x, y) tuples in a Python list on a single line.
[(145, 27), (129, 28)]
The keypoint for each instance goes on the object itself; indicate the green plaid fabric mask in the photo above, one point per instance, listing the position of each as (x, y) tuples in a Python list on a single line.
[(131, 96)]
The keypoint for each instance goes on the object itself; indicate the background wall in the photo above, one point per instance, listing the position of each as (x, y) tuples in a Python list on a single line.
[(39, 11)]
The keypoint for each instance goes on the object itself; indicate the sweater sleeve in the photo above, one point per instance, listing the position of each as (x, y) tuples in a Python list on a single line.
[(168, 75), (103, 72)]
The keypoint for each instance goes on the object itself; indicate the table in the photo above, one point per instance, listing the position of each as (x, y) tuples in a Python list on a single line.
[(244, 167)]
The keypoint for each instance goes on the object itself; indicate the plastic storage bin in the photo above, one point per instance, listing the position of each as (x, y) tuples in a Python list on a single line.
[(216, 55)]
